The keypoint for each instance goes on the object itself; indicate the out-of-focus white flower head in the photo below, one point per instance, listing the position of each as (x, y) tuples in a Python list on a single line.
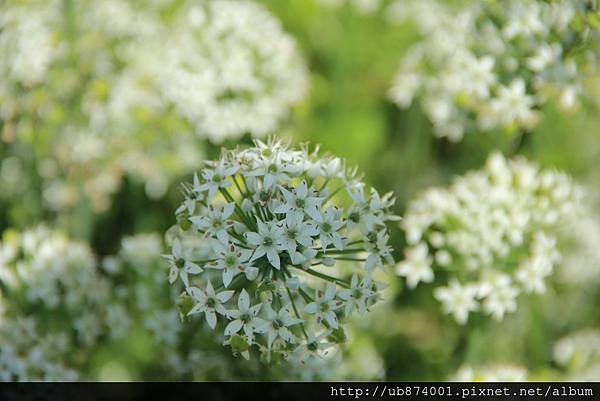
[(491, 373), (491, 65), (578, 354), (271, 220), (493, 231), (31, 354), (230, 69), (115, 88), (53, 303)]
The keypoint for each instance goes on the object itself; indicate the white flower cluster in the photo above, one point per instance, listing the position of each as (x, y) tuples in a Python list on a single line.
[(231, 69), (112, 88), (52, 300), (269, 216), (579, 354), (62, 99), (362, 6), (491, 65), (493, 232), (28, 354), (491, 373)]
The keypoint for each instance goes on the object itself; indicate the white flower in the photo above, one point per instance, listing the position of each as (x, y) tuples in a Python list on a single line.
[(329, 224), (244, 317), (457, 300), (215, 222), (215, 179), (357, 295), (277, 325), (209, 302), (512, 104), (179, 264), (499, 296), (298, 200), (273, 169), (325, 305), (417, 266), (267, 241), (297, 232), (232, 260), (380, 252)]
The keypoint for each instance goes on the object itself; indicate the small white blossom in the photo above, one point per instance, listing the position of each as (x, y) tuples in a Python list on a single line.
[(357, 295), (179, 264), (215, 222), (245, 318), (267, 241), (277, 325), (417, 266), (325, 305), (232, 260), (209, 302), (457, 300)]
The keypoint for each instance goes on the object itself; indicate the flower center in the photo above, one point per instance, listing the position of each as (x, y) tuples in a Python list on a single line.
[(272, 168), (180, 263), (268, 241), (357, 293), (211, 303), (292, 233), (326, 227), (264, 196), (216, 223), (277, 324), (324, 307), (217, 178), (300, 202), (246, 318), (354, 217), (230, 260)]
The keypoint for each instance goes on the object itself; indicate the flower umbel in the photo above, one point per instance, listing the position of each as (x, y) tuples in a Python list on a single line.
[(277, 235)]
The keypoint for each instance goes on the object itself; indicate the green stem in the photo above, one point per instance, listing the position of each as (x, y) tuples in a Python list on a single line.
[(203, 261), (324, 184), (296, 311), (307, 298), (331, 195), (238, 210), (343, 251), (237, 185), (326, 277), (351, 259)]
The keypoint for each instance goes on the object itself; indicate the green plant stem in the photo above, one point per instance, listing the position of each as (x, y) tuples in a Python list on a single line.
[(326, 277), (296, 311)]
